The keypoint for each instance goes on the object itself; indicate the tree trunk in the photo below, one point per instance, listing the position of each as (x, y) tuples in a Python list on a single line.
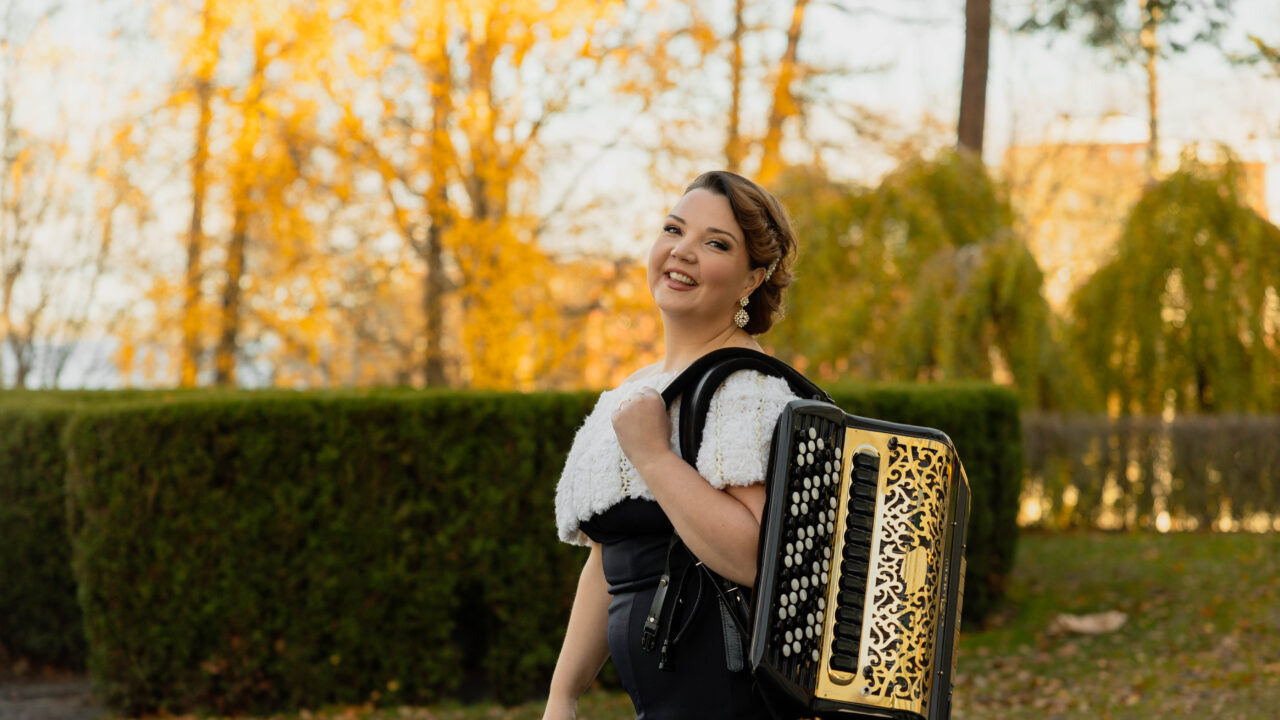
[(1151, 49), (225, 356), (973, 84), (784, 102), (733, 147), (438, 214), (195, 233)]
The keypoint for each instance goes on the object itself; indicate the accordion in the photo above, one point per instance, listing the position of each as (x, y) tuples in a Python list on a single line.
[(860, 578)]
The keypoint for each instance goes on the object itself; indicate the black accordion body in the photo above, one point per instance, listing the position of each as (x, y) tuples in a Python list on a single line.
[(860, 575), (861, 572)]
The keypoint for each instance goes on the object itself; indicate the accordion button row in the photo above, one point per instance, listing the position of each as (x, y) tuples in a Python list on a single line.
[(856, 554), (806, 564)]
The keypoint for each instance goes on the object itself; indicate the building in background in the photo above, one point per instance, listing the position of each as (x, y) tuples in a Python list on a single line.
[(1074, 190)]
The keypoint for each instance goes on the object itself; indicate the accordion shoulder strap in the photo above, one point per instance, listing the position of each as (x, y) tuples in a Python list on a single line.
[(699, 382), (697, 385)]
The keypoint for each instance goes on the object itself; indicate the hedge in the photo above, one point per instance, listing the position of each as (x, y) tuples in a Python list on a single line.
[(260, 551), (39, 617)]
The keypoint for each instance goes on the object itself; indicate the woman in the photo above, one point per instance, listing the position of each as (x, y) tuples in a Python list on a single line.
[(716, 272)]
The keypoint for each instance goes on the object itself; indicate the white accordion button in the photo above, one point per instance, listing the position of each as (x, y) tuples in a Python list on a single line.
[(808, 484), (782, 613), (809, 458), (818, 616), (782, 599), (804, 495), (804, 507), (800, 459), (825, 579), (795, 647), (787, 560), (804, 582), (831, 527), (795, 584), (795, 497), (826, 467), (834, 503), (812, 620), (786, 650), (808, 632), (819, 443), (816, 655), (813, 433), (794, 511), (822, 605), (812, 446), (790, 548), (791, 611), (826, 554), (794, 598), (789, 636), (803, 596), (826, 564), (808, 543)]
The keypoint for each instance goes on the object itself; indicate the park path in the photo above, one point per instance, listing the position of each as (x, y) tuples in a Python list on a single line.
[(63, 699)]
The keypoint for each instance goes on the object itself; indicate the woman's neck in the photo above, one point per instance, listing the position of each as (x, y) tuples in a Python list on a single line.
[(683, 346)]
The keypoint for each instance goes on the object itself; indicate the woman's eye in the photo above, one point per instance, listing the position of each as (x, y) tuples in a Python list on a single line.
[(718, 245), (671, 229)]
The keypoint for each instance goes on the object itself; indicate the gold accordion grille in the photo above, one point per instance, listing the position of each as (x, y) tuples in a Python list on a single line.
[(901, 616)]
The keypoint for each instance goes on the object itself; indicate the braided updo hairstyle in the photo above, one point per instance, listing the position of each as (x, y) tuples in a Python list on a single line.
[(769, 239)]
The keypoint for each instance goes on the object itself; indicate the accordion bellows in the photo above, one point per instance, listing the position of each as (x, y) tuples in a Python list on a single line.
[(860, 580)]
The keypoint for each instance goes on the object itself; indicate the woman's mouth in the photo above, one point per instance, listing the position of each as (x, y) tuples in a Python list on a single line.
[(681, 278)]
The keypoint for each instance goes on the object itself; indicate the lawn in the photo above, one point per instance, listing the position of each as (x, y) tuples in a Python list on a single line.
[(1202, 637)]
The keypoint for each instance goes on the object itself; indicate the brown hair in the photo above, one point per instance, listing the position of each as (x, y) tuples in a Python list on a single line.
[(769, 238)]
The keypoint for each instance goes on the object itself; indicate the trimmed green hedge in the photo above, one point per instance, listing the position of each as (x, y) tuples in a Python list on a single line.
[(257, 551), (39, 617)]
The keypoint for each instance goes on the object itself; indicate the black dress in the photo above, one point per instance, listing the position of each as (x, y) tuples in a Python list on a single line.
[(634, 536)]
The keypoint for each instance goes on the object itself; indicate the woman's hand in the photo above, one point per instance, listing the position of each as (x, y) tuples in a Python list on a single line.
[(643, 426)]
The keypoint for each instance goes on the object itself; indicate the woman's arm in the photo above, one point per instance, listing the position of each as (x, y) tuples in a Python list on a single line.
[(721, 527), (586, 641)]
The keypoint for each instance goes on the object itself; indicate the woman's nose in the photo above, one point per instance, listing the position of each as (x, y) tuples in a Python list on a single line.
[(683, 249)]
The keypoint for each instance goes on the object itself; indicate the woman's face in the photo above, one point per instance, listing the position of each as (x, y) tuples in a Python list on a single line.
[(699, 266)]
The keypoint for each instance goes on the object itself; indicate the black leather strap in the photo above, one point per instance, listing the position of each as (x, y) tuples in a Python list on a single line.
[(699, 382)]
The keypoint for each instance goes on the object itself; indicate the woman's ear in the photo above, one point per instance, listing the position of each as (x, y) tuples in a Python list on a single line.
[(754, 279)]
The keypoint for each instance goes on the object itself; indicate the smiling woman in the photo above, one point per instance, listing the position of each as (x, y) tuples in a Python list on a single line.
[(717, 271)]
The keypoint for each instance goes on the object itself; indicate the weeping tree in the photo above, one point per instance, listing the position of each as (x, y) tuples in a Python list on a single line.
[(1187, 313), (922, 278)]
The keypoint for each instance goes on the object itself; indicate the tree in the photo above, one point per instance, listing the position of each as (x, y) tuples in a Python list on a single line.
[(1143, 38), (457, 164), (1187, 313), (57, 207), (921, 278)]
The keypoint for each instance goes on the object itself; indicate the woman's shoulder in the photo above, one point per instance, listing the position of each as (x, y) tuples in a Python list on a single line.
[(755, 383)]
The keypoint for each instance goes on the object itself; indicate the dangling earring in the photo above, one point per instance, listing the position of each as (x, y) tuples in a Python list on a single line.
[(741, 317)]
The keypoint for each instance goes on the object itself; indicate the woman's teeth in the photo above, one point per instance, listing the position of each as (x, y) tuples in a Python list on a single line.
[(681, 277)]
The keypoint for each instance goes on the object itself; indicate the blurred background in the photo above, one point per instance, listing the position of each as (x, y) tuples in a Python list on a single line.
[(349, 194), (1075, 199)]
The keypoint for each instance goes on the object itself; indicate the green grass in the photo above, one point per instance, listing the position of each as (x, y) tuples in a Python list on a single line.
[(1202, 638)]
